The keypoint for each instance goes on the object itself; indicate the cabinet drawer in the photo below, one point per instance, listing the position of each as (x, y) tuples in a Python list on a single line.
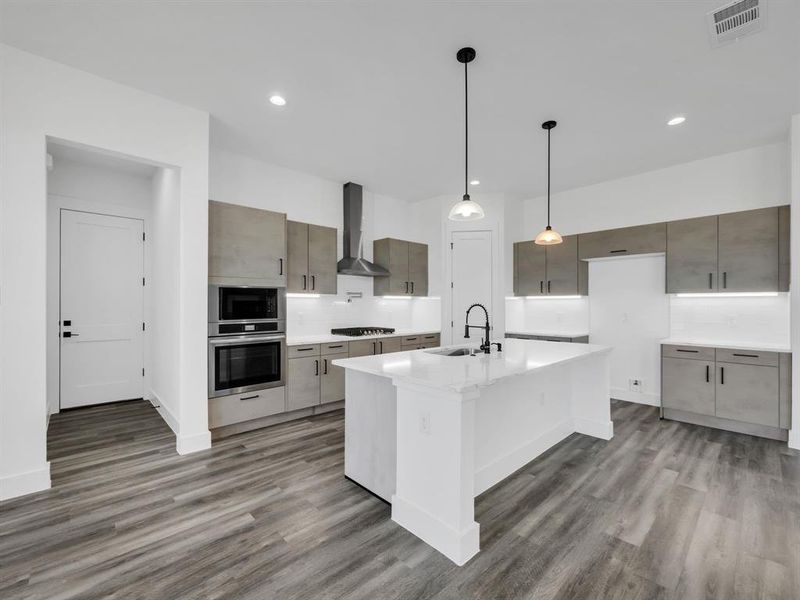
[(237, 408), (334, 348), (412, 340), (694, 352), (747, 357), (642, 239), (429, 338), (302, 351)]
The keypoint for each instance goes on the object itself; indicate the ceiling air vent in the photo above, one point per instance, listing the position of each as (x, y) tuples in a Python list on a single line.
[(736, 20)]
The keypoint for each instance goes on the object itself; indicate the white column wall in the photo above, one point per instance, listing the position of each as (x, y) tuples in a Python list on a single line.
[(794, 153)]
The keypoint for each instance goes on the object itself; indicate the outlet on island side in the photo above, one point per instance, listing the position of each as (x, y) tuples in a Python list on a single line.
[(425, 423), (635, 385)]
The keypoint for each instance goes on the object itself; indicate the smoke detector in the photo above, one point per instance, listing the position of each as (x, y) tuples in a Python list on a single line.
[(735, 20)]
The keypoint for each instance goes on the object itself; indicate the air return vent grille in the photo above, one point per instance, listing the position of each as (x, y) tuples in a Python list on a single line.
[(735, 20)]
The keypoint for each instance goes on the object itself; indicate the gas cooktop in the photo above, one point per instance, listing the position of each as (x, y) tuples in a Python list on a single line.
[(356, 331)]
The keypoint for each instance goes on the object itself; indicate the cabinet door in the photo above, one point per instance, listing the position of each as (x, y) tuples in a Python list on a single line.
[(748, 393), (641, 239), (246, 246), (363, 348), (389, 345), (391, 254), (530, 269), (748, 251), (322, 259), (297, 257), (692, 255), (562, 267), (418, 268), (688, 385), (303, 382), (331, 380)]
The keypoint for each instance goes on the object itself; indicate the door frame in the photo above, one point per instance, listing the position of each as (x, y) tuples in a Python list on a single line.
[(59, 205)]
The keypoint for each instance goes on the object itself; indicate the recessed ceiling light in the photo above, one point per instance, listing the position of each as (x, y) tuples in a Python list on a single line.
[(475, 182), (277, 100), (676, 120)]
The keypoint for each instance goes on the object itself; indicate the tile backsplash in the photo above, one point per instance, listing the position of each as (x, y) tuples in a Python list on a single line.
[(763, 319), (314, 315), (547, 314)]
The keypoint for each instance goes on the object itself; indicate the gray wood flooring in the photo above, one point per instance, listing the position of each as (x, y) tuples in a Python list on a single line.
[(664, 510)]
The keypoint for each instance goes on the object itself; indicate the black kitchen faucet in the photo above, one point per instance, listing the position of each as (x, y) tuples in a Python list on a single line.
[(486, 345)]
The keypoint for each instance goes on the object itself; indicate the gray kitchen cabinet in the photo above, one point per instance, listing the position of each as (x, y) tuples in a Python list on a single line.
[(389, 345), (748, 251), (641, 239), (407, 263), (311, 258), (331, 379), (784, 218), (303, 382), (530, 269), (419, 341), (748, 393), (785, 393), (692, 255), (246, 246), (688, 385), (363, 348), (566, 275)]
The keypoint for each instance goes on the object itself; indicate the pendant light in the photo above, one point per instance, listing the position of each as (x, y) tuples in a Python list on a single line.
[(466, 209), (549, 236)]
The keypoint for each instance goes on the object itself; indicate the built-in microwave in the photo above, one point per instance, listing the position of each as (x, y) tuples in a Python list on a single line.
[(245, 363), (234, 310)]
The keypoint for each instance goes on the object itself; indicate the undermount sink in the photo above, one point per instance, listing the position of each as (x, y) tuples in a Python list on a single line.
[(451, 351)]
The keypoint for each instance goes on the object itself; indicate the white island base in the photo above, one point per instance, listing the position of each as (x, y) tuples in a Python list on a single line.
[(429, 433)]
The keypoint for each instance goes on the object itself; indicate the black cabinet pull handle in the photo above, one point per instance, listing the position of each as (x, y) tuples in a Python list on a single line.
[(339, 346), (617, 251), (316, 367), (251, 397), (682, 350), (304, 282), (724, 279), (541, 287), (313, 282), (746, 355), (374, 346), (381, 343), (412, 287), (304, 349), (411, 339), (708, 374), (280, 266), (710, 280), (406, 287), (548, 286), (325, 365), (722, 375)]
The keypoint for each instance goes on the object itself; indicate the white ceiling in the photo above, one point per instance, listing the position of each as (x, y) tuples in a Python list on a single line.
[(375, 94)]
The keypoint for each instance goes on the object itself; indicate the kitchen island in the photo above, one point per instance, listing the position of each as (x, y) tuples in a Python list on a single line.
[(429, 432)]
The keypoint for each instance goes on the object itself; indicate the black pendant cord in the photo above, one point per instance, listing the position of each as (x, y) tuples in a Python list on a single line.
[(548, 178), (466, 135)]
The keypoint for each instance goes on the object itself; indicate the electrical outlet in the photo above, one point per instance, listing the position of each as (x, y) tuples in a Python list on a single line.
[(425, 423), (635, 385)]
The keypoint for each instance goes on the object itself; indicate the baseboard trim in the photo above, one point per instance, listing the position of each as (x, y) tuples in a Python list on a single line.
[(170, 419), (772, 433), (21, 484), (602, 430), (646, 398), (491, 474), (186, 444)]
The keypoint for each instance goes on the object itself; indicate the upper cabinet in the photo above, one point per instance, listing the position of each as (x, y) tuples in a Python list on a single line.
[(407, 263), (311, 258), (735, 252), (246, 246), (641, 239), (549, 270)]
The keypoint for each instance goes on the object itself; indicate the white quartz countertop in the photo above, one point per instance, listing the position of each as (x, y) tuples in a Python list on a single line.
[(457, 373), (549, 332), (326, 338), (728, 344)]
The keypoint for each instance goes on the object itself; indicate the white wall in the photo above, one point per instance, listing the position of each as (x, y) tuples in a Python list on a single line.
[(41, 99), (545, 315), (79, 186), (629, 311), (794, 434), (303, 197)]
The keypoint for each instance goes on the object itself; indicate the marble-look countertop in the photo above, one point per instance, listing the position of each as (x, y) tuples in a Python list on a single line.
[(549, 333), (727, 344), (456, 373), (327, 338)]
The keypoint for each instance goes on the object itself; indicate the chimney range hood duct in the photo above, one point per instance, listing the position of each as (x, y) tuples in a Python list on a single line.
[(353, 262)]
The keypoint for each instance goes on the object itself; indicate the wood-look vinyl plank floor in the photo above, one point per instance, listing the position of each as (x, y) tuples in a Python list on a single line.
[(664, 510)]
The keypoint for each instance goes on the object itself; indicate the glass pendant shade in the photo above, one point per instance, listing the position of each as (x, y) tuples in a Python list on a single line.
[(548, 237), (466, 210)]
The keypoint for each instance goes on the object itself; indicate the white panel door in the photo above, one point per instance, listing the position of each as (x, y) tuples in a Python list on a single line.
[(102, 294), (472, 281)]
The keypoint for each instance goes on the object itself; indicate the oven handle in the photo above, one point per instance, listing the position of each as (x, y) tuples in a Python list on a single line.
[(236, 340)]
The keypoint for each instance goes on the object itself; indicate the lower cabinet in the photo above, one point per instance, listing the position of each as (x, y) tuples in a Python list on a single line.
[(582, 339), (303, 382), (741, 390), (418, 342), (375, 346), (237, 408), (312, 378), (331, 380)]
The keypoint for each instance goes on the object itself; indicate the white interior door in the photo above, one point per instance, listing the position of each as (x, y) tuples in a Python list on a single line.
[(102, 308), (472, 280)]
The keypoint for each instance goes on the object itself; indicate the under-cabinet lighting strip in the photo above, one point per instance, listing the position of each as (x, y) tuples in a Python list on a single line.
[(727, 295), (300, 295)]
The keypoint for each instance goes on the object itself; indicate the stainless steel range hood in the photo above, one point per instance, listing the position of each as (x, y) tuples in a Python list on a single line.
[(353, 262)]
